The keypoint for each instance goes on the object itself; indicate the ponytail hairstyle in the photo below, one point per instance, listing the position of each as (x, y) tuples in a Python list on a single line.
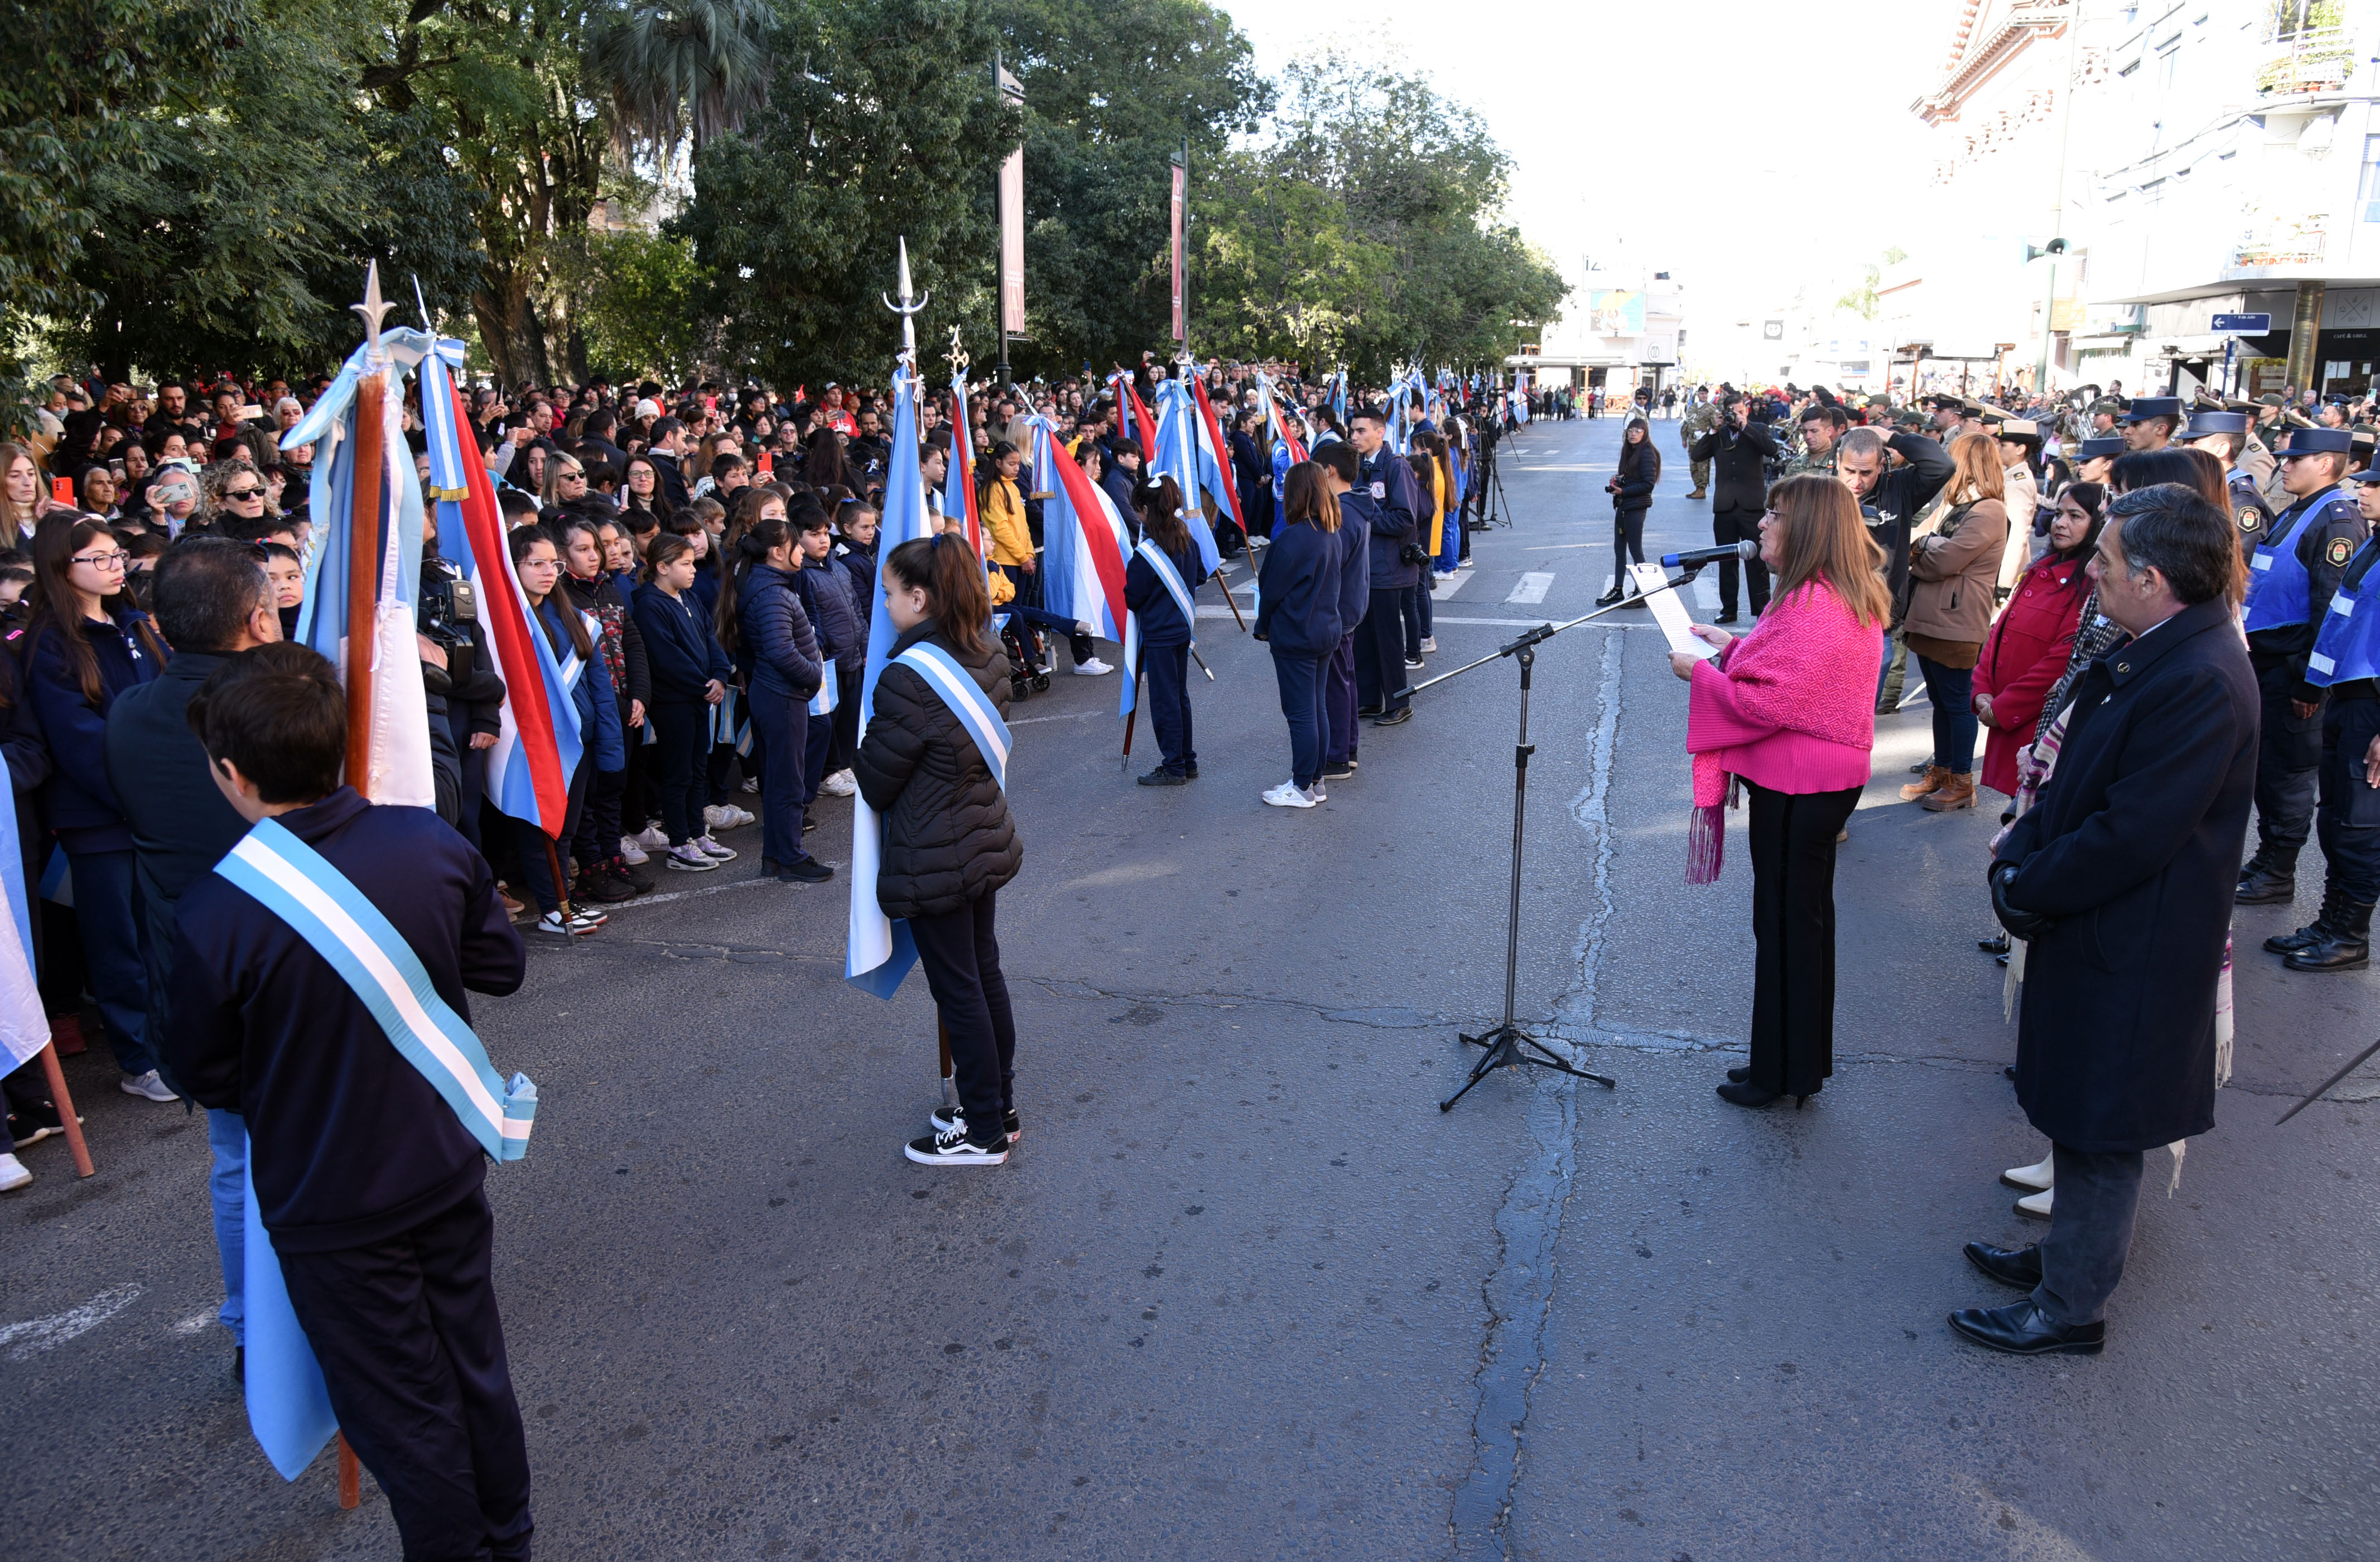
[(1160, 513), (522, 539), (948, 572), (664, 550), (1305, 497), (759, 537)]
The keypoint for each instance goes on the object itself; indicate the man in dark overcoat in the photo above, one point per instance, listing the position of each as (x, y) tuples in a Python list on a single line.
[(2120, 879), (1742, 449)]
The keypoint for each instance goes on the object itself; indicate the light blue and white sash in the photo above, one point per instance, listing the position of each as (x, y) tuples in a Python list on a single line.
[(824, 703), (1174, 587), (967, 700), (296, 883)]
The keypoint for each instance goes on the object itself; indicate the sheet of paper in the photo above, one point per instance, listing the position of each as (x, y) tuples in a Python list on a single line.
[(1669, 612)]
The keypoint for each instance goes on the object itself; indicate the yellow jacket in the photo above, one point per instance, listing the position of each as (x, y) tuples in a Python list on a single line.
[(1002, 589), (1003, 518)]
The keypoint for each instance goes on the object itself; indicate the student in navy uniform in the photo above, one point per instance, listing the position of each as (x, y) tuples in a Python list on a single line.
[(1340, 465), (369, 1184), (2289, 585), (2224, 435), (1297, 613), (841, 638), (2346, 661), (1381, 640), (778, 651), (538, 562), (212, 601), (950, 842), (1165, 634), (690, 672)]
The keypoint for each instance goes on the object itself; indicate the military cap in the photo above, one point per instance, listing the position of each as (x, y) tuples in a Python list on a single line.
[(2146, 407), (2271, 399), (2107, 405), (2019, 428), (2319, 441), (2094, 450), (2207, 421)]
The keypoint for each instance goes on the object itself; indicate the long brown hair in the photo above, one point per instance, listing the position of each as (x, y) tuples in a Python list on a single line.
[(753, 545), (948, 572), (574, 630), (1305, 497), (57, 537), (1979, 474), (1826, 542), (17, 524)]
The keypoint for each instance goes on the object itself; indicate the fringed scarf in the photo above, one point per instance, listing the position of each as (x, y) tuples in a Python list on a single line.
[(1809, 667)]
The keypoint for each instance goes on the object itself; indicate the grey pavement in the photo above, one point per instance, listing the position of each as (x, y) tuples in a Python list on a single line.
[(1243, 1291)]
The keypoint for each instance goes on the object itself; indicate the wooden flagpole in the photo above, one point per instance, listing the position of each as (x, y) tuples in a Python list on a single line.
[(364, 544)]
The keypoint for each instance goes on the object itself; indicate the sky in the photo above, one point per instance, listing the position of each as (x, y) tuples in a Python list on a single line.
[(1748, 149)]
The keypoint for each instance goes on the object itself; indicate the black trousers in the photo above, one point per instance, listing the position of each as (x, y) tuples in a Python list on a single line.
[(532, 843), (1793, 935), (1166, 686), (680, 737), (2288, 760), (961, 955), (1380, 650), (413, 1357), (2349, 820), (2089, 1232), (1738, 525), (1627, 545)]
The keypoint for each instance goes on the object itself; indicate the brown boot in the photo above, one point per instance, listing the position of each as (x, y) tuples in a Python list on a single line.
[(1931, 781), (1696, 494), (1955, 792)]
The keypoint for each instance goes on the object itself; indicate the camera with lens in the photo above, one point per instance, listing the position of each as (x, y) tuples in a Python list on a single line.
[(1412, 553), (449, 610)]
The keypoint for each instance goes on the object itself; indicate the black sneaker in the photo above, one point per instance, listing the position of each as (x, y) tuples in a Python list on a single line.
[(945, 1119), (1163, 777), (951, 1146), (809, 871), (1191, 769), (1338, 771)]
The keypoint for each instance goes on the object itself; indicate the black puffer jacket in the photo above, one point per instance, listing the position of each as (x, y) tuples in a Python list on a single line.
[(948, 837)]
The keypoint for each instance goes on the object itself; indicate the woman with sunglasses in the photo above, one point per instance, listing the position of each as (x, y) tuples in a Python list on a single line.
[(234, 492), (85, 644)]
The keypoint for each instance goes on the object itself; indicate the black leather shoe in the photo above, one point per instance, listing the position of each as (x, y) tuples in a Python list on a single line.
[(2018, 1266), (1998, 945), (2345, 943), (1610, 598), (2022, 1329), (1737, 1076), (2311, 933), (1743, 1092), (1724, 618), (1393, 718), (2268, 881), (1367, 710)]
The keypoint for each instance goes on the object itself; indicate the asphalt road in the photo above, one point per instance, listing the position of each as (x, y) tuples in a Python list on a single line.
[(1244, 1291)]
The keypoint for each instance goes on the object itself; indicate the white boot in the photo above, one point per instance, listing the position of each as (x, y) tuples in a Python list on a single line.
[(2037, 1206), (2035, 1178)]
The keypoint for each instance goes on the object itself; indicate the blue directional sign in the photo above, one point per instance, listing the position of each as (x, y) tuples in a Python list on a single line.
[(2243, 325)]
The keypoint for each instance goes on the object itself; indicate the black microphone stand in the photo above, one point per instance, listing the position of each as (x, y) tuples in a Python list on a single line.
[(1508, 1045)]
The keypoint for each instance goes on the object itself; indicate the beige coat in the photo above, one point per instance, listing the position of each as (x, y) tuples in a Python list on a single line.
[(2024, 498), (1952, 571)]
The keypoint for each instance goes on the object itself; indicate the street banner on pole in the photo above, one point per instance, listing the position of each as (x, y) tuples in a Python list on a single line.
[(1012, 222), (1181, 194)]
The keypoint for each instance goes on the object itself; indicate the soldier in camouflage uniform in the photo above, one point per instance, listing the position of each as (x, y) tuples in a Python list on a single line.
[(1822, 424), (1700, 419)]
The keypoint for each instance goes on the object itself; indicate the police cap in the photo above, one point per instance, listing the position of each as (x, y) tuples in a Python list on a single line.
[(2146, 407), (2319, 441), (2106, 445), (2203, 422)]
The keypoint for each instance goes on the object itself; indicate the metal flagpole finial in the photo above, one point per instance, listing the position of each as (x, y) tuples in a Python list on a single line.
[(423, 305), (957, 356), (908, 312), (374, 309)]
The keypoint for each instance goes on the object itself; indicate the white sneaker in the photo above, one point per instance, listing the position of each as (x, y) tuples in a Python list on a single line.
[(688, 858), (13, 1174), (951, 1148), (2033, 1179), (577, 924), (842, 783), (713, 850), (751, 783), (1288, 795), (1429, 644), (630, 852), (2038, 1206), (147, 1086), (1463, 563), (1413, 661), (1094, 668), (654, 838), (725, 816)]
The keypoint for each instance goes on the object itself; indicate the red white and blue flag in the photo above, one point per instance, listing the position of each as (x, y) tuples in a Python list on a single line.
[(958, 480), (1132, 418), (1084, 544), (1183, 454)]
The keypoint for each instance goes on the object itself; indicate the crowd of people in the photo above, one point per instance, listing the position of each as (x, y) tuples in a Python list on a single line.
[(2169, 612)]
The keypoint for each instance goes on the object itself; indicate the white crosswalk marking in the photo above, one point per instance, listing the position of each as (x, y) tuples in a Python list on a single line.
[(1446, 586), (1533, 586), (1706, 592)]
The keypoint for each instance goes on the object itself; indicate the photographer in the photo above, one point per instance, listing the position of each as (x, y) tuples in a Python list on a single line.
[(1740, 453)]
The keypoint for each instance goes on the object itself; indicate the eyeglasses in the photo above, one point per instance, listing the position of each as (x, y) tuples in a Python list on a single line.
[(570, 474), (115, 561), (243, 493)]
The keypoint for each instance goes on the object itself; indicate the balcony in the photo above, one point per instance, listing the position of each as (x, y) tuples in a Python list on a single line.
[(2318, 60)]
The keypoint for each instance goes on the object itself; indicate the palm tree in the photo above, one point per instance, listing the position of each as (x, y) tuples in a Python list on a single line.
[(680, 67)]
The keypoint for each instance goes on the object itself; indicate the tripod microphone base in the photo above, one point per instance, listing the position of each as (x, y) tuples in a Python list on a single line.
[(1510, 1047)]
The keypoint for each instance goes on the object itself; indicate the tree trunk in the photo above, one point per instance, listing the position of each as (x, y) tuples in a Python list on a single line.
[(509, 329)]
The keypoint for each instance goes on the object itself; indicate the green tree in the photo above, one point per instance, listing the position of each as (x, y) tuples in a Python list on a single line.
[(677, 69), (636, 298)]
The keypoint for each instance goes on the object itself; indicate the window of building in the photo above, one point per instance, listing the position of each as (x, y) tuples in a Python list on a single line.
[(2368, 192)]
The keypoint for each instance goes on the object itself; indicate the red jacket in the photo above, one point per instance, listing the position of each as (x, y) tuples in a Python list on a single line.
[(2023, 657)]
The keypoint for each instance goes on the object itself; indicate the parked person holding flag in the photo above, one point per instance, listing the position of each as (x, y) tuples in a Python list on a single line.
[(538, 562), (690, 672), (367, 1180), (1160, 580), (933, 762)]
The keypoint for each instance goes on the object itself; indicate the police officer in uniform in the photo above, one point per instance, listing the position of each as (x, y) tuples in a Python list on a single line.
[(2290, 579), (2152, 422), (2094, 456), (2224, 435), (2345, 660)]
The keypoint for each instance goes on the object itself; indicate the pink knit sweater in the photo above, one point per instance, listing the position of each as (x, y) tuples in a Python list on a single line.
[(1790, 706)]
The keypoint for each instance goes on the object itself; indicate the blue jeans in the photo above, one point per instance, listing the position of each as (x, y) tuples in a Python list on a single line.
[(106, 910), (227, 1137), (1953, 689)]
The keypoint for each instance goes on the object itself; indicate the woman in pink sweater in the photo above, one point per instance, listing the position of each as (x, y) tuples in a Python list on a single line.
[(1788, 711)]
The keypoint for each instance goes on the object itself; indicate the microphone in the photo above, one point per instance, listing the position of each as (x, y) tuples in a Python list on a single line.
[(1696, 557)]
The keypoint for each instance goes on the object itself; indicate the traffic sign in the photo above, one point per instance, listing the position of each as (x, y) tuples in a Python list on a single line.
[(2242, 325)]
